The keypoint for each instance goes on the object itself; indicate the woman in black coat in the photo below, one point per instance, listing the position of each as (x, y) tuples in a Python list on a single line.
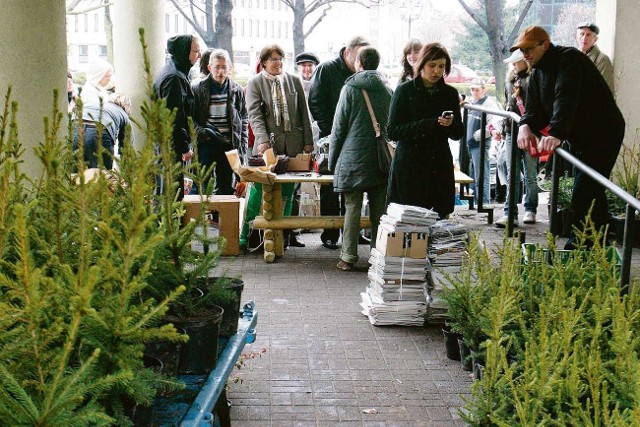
[(422, 168)]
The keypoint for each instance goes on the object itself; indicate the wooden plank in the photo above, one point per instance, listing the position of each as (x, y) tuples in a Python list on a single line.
[(462, 178), (307, 222)]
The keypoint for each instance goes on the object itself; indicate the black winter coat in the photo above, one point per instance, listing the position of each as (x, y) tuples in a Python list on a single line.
[(172, 85), (236, 115), (324, 94), (353, 154), (422, 168), (568, 92)]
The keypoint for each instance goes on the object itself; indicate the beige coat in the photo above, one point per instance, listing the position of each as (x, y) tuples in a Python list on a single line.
[(603, 64), (262, 121)]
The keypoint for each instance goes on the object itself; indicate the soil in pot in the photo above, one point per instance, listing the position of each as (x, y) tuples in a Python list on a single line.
[(200, 353), (451, 343)]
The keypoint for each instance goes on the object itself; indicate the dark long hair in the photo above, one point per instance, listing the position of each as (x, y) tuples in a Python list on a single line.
[(431, 52), (407, 69)]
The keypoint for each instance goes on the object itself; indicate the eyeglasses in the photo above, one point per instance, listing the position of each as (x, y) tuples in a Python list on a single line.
[(218, 68), (528, 50), (276, 60)]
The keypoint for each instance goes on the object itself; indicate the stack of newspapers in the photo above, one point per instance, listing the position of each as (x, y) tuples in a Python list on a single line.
[(447, 254), (407, 219), (397, 290)]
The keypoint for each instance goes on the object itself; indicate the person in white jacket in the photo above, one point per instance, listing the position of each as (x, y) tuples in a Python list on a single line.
[(94, 91)]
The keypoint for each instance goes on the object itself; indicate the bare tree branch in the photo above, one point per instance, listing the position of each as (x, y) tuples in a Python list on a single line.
[(189, 19), (516, 27), (71, 11), (473, 15), (72, 5), (320, 18)]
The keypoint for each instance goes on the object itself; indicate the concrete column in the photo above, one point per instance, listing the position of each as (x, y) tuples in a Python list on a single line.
[(128, 16), (33, 48), (618, 20)]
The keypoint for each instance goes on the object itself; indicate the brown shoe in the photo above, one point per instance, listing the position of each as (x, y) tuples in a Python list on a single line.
[(345, 266)]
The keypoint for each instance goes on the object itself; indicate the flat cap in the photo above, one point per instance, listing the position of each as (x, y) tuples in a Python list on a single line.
[(307, 57), (590, 25)]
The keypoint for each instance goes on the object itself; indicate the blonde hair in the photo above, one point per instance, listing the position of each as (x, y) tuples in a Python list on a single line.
[(121, 100)]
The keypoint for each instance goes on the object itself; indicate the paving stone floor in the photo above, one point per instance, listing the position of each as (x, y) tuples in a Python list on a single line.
[(324, 363)]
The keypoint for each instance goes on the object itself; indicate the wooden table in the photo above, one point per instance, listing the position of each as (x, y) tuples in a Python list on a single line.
[(273, 221), (463, 180)]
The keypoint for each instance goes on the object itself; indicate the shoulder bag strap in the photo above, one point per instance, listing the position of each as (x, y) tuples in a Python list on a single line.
[(376, 125)]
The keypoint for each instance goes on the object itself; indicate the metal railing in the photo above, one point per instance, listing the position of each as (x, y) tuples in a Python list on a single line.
[(633, 204)]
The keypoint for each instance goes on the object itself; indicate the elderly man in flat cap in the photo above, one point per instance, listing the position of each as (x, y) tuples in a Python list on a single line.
[(587, 36), (306, 63), (569, 99)]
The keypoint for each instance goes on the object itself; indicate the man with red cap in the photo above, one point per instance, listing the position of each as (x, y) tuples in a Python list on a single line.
[(568, 96)]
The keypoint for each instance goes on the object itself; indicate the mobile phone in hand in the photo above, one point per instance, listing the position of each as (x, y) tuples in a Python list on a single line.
[(447, 114)]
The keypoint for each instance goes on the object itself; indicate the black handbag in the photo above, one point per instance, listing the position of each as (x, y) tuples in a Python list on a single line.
[(384, 147)]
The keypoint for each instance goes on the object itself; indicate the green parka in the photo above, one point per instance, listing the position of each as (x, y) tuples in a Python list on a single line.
[(353, 155)]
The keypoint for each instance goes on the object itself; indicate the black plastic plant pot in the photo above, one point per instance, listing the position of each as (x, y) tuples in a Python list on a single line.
[(465, 356), (168, 353), (229, 325), (451, 344), (231, 316), (200, 353)]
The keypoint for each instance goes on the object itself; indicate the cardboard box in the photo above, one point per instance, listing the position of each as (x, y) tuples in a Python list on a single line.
[(300, 163), (223, 210), (410, 245)]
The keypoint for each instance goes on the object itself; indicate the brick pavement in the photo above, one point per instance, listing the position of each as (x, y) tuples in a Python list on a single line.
[(325, 363)]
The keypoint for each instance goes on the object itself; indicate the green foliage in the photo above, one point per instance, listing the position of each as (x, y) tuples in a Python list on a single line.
[(627, 176), (89, 266), (561, 342), (565, 190)]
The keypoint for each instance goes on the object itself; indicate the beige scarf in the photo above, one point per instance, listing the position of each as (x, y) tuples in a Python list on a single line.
[(279, 100)]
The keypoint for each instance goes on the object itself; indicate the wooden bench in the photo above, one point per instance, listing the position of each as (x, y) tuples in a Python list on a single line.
[(305, 222)]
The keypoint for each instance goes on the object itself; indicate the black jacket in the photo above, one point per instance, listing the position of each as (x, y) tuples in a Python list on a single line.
[(236, 114), (568, 92), (172, 85), (422, 168), (324, 94)]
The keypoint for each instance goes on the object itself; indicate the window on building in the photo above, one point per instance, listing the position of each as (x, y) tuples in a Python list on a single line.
[(242, 28), (96, 23), (76, 24), (273, 4), (184, 25), (235, 27), (257, 28), (167, 23), (286, 30), (175, 23), (249, 4), (279, 29), (86, 23), (273, 26), (83, 53), (265, 28), (102, 50)]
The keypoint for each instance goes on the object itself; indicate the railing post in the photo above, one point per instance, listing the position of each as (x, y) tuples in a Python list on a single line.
[(553, 197), (513, 154), (627, 247)]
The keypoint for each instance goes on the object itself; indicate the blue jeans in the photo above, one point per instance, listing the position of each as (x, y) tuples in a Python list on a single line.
[(474, 153), (351, 233), (530, 176)]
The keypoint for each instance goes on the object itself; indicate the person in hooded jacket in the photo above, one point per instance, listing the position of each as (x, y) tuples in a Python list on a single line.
[(94, 91), (353, 150), (422, 168), (173, 85)]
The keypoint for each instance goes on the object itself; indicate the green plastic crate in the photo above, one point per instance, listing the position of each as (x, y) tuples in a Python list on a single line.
[(532, 253)]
